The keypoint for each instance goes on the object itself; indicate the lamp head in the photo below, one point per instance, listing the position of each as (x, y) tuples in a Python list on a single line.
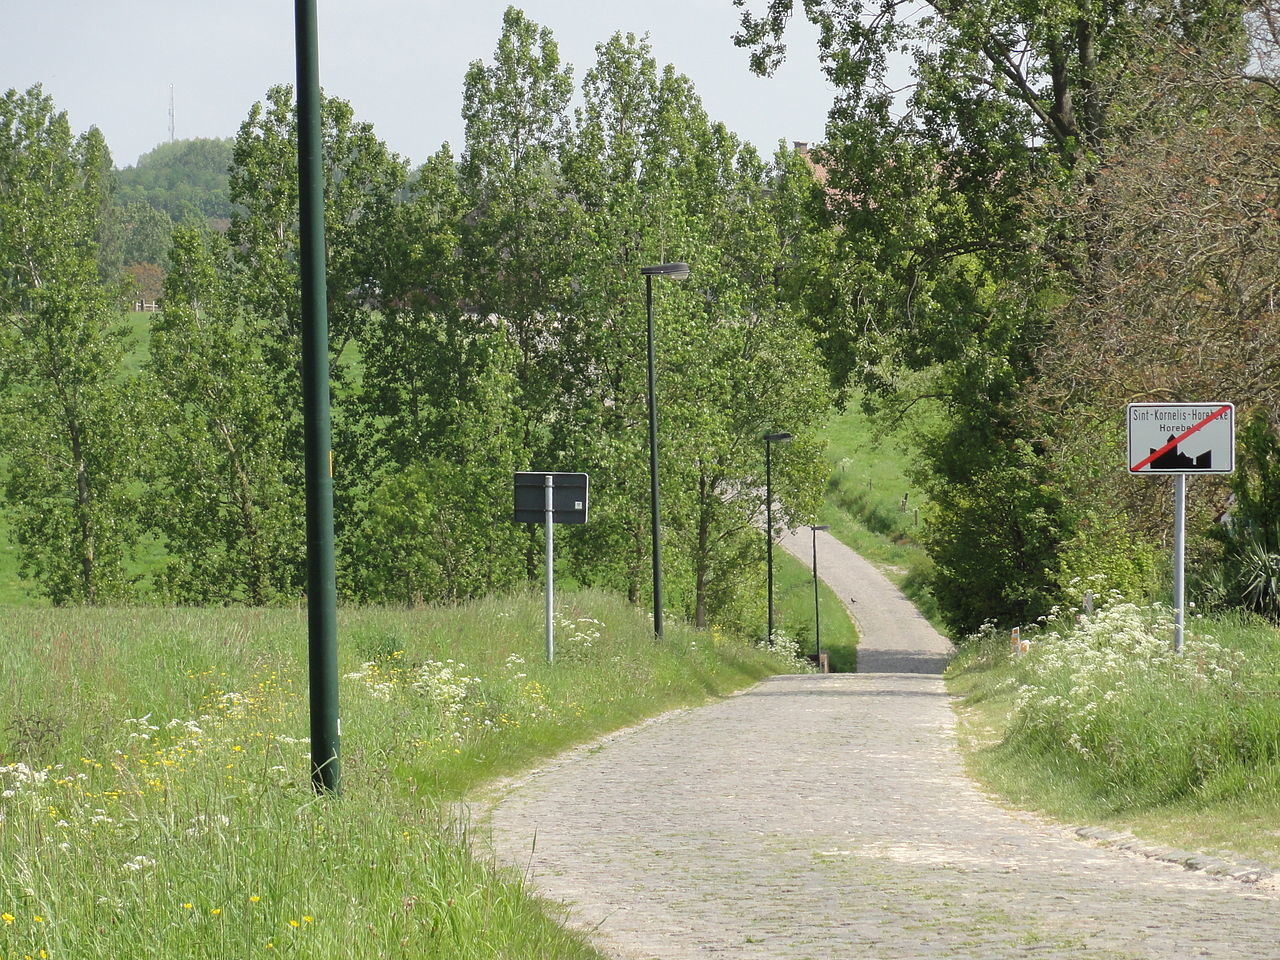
[(672, 271), (815, 527), (777, 437)]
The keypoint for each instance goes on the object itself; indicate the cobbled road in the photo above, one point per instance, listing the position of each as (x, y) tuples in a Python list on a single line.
[(829, 817)]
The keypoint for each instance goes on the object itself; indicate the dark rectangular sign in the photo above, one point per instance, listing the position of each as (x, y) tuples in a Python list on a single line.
[(568, 497)]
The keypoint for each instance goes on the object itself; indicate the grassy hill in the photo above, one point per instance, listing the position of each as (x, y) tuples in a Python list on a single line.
[(153, 772), (871, 503)]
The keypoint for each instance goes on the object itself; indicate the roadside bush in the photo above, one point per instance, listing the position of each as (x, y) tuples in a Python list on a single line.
[(1246, 571), (994, 539)]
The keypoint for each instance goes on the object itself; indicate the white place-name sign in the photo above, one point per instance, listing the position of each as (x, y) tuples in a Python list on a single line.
[(1182, 438)]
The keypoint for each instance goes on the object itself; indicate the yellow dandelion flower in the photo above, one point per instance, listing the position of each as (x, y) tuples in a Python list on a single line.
[(186, 906), (38, 919), (294, 923), (216, 910), (307, 919), (8, 918), (254, 899)]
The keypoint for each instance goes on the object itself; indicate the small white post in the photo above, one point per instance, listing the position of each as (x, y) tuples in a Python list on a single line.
[(1179, 555), (550, 516)]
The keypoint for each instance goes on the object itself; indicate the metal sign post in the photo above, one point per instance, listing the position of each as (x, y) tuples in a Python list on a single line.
[(550, 523), (1179, 556), (1178, 439), (550, 498)]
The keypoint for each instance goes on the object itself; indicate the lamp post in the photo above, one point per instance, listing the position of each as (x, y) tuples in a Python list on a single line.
[(817, 617), (769, 440), (322, 629), (672, 271)]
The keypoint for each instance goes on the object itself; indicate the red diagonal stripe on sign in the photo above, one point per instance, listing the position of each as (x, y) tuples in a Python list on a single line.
[(1178, 439)]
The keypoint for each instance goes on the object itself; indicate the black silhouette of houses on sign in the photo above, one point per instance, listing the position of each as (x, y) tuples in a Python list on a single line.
[(1173, 459)]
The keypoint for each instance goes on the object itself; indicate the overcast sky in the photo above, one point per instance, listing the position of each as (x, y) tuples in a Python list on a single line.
[(399, 62)]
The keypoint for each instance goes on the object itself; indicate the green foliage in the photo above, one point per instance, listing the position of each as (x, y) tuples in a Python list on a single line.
[(146, 234), (994, 539), (224, 498), (437, 530), (1101, 718), (1245, 573), (947, 270), (485, 316), (186, 180), (68, 426), (1103, 554)]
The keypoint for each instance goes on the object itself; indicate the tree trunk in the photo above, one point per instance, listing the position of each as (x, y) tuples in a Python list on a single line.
[(702, 560), (84, 511)]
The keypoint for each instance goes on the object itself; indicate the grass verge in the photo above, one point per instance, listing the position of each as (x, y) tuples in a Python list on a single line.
[(1101, 723), (153, 772), (794, 609)]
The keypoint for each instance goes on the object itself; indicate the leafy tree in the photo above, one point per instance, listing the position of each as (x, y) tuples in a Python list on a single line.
[(67, 422), (225, 500), (434, 420), (944, 271), (363, 181), (515, 241), (657, 180), (437, 531), (185, 180), (1244, 571), (146, 234)]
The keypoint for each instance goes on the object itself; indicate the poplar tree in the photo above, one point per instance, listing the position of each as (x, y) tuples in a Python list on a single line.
[(224, 499), (67, 421)]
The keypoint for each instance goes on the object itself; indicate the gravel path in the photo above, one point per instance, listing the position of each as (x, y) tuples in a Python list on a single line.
[(829, 817)]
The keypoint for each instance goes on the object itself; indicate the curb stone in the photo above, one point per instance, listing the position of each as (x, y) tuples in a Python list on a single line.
[(1244, 871)]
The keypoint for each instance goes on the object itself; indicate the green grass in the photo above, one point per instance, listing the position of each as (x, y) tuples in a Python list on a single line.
[(163, 807), (1114, 730), (793, 610), (871, 504), (138, 344)]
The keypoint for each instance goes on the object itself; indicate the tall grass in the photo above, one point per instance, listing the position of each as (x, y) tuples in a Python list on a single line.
[(1100, 719), (154, 799)]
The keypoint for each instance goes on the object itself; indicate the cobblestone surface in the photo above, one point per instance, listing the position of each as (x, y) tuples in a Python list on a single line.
[(829, 817)]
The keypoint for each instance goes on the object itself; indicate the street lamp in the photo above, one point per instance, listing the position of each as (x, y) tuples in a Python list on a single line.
[(769, 440), (322, 609), (817, 625), (672, 271)]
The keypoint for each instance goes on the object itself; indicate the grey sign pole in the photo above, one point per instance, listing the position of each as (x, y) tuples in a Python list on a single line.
[(544, 496), (551, 588), (1179, 556), (1180, 438)]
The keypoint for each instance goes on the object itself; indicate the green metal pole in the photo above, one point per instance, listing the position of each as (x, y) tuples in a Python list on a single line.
[(653, 466), (322, 600), (817, 615), (768, 532)]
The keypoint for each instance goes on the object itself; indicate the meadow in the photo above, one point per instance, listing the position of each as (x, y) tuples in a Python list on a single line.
[(154, 792), (1100, 722)]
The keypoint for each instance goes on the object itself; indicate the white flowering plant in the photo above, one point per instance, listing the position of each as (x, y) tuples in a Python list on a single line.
[(1095, 687)]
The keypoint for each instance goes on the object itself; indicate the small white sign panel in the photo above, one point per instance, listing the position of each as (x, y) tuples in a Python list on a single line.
[(1182, 438)]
